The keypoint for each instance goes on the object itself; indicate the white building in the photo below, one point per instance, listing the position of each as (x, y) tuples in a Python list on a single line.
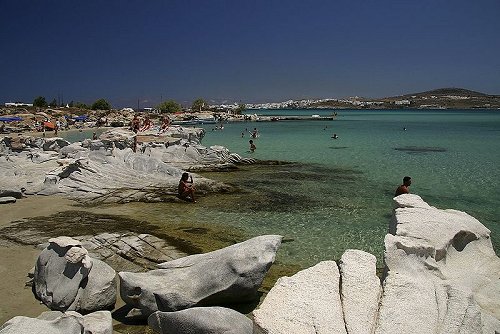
[(18, 104)]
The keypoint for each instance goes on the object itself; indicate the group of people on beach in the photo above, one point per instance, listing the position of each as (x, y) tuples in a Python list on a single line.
[(137, 126)]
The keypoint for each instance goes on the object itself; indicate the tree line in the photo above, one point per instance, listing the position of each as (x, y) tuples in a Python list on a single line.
[(100, 104), (169, 106)]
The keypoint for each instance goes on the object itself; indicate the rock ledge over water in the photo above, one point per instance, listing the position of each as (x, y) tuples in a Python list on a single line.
[(441, 276)]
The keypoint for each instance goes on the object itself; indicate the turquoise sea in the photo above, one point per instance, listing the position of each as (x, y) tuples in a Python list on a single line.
[(337, 193)]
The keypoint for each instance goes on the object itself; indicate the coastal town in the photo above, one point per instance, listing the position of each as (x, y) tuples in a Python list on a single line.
[(445, 98)]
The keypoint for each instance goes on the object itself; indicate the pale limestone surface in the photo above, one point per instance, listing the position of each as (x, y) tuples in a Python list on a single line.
[(305, 303), (201, 320), (64, 241), (24, 325), (443, 275), (360, 292), (228, 275), (61, 284), (55, 322), (107, 170)]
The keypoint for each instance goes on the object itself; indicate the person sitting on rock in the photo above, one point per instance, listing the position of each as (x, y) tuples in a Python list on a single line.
[(186, 188), (146, 124), (136, 124), (403, 189), (165, 124)]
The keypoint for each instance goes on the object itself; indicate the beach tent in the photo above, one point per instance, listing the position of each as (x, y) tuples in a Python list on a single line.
[(10, 119)]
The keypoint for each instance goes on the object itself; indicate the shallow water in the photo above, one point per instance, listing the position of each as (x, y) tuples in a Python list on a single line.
[(340, 195), (338, 192)]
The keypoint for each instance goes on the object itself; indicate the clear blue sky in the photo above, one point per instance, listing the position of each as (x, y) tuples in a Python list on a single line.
[(248, 51)]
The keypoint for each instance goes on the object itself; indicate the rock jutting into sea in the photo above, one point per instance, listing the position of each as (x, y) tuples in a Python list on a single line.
[(107, 169), (225, 276), (441, 276)]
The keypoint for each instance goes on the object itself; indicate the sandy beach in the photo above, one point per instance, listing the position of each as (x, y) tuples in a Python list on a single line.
[(17, 260)]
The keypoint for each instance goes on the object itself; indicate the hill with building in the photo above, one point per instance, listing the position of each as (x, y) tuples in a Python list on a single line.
[(442, 98)]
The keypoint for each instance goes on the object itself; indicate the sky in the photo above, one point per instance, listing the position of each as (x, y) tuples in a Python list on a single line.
[(131, 52)]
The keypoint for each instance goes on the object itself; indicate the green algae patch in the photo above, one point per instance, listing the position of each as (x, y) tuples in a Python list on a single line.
[(188, 237)]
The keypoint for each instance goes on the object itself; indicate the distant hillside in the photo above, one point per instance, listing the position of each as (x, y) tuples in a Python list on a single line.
[(448, 92), (442, 98)]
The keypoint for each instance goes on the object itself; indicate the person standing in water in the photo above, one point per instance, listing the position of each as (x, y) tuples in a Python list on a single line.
[(252, 146)]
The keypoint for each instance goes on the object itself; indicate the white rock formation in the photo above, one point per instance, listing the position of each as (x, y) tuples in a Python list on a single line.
[(306, 303), (442, 276), (360, 291), (201, 320), (108, 170), (229, 275), (63, 283), (55, 322), (24, 325)]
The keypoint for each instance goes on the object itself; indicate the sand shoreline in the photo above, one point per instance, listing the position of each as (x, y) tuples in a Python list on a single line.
[(17, 260)]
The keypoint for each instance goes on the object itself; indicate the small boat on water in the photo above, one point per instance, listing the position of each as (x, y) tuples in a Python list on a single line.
[(195, 121)]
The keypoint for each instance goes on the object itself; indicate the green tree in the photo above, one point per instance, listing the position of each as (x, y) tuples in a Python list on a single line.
[(169, 106), (40, 102), (199, 105), (81, 105), (71, 104), (53, 103), (101, 104)]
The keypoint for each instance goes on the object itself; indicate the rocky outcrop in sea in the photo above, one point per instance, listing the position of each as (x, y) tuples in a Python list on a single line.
[(107, 169), (441, 276)]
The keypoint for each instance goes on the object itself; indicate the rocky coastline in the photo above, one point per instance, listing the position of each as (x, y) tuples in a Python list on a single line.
[(441, 273)]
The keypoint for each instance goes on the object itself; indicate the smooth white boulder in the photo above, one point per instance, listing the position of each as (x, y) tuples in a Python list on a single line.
[(229, 275), (55, 322), (201, 320), (7, 199), (25, 325), (66, 278), (305, 303)]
